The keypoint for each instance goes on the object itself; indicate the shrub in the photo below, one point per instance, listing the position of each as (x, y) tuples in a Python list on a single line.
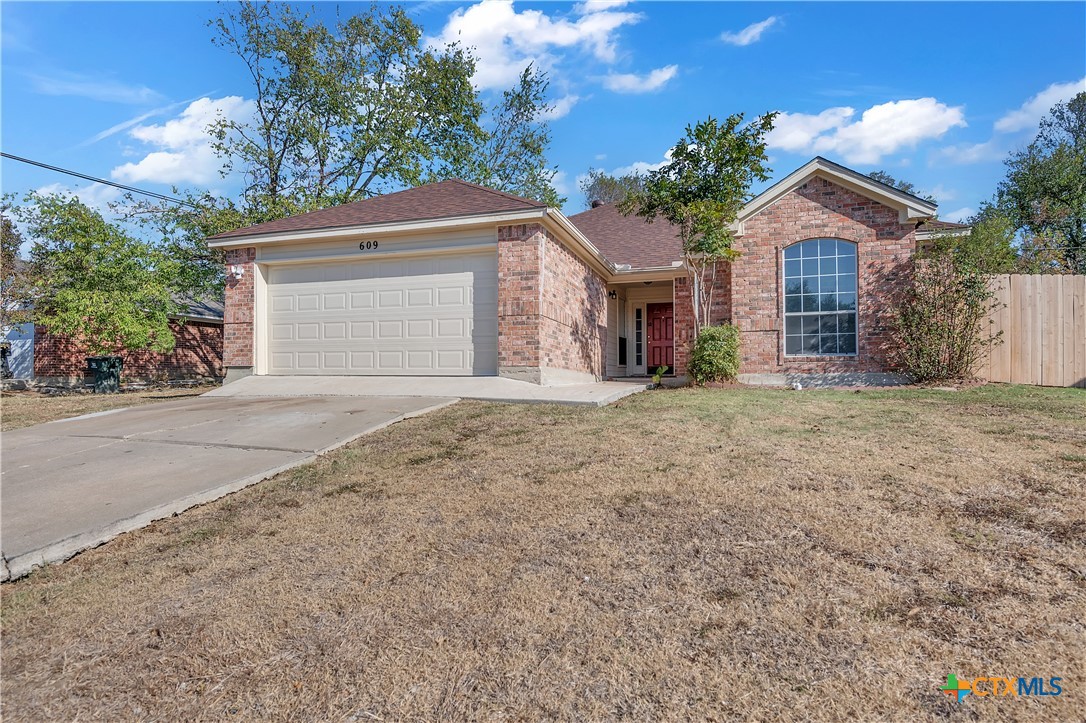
[(715, 356), (941, 329)]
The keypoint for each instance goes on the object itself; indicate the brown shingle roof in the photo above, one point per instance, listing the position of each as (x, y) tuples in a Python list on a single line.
[(447, 199), (630, 239)]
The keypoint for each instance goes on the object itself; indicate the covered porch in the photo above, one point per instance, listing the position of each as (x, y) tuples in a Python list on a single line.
[(641, 328)]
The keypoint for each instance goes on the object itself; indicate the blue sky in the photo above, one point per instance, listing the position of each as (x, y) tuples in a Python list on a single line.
[(935, 93)]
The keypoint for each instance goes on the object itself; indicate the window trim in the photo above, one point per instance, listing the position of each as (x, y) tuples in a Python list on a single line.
[(782, 299)]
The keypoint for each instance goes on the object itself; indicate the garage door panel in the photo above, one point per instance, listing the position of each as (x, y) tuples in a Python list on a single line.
[(404, 316), (392, 329), (362, 330), (334, 360)]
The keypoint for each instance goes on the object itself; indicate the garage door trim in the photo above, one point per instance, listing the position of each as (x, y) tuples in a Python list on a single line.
[(380, 254)]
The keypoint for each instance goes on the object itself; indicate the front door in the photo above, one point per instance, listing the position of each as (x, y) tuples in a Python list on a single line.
[(661, 336)]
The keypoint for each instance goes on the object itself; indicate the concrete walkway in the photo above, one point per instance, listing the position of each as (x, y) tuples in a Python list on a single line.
[(76, 483), (490, 389)]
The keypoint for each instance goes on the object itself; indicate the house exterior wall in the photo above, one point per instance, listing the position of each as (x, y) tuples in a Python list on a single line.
[(818, 209), (197, 354), (238, 321), (616, 310), (720, 311), (552, 309), (519, 300)]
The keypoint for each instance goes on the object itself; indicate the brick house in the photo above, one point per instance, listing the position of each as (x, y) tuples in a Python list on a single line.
[(55, 359), (455, 279)]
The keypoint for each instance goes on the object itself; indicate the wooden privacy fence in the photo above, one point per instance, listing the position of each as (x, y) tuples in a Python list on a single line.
[(1043, 320)]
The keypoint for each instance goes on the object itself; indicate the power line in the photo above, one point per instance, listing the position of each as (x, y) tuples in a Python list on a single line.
[(94, 179)]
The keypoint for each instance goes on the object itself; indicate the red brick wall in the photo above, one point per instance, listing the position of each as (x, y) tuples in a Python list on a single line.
[(552, 307), (197, 353), (721, 311), (818, 209), (519, 293), (240, 298), (574, 312)]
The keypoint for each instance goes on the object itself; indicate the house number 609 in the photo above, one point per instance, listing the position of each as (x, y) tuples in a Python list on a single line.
[(367, 245)]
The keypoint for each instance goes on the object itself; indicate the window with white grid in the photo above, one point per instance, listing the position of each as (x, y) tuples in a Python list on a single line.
[(820, 298)]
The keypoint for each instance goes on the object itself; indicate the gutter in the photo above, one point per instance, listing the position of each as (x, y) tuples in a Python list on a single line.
[(379, 229)]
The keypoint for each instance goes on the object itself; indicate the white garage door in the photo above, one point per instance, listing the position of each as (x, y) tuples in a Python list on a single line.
[(411, 316)]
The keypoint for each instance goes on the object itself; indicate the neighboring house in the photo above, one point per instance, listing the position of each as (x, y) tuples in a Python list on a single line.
[(456, 279), (58, 360), (20, 341)]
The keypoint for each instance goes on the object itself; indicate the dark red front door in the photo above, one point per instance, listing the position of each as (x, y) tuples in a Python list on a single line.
[(661, 340)]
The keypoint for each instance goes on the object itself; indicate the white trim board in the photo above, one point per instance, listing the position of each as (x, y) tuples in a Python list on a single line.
[(909, 207)]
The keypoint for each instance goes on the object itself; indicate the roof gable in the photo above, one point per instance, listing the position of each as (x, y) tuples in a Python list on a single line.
[(910, 208), (630, 240), (447, 199)]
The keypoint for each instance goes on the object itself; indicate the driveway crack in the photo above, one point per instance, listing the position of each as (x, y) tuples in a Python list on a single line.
[(184, 443)]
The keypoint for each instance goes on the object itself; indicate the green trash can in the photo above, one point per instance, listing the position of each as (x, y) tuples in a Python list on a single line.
[(107, 373)]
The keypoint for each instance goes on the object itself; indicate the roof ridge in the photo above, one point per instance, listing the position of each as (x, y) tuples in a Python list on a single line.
[(875, 180), (503, 194)]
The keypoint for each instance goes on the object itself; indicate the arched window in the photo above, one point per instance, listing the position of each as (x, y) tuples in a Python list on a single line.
[(820, 298)]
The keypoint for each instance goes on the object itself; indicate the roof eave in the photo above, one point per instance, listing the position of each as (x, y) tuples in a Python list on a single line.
[(928, 234), (910, 208), (378, 229), (649, 273)]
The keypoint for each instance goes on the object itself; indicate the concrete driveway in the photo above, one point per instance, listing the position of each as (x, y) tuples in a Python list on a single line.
[(76, 483)]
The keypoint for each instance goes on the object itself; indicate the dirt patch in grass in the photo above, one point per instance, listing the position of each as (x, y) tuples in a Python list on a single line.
[(681, 555), (27, 408)]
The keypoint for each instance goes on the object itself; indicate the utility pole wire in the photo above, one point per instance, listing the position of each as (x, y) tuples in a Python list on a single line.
[(94, 179)]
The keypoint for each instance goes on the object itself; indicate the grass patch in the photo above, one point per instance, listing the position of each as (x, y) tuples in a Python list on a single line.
[(684, 554), (24, 409)]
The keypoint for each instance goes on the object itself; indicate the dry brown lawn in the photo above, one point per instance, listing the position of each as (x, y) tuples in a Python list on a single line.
[(685, 554), (26, 408)]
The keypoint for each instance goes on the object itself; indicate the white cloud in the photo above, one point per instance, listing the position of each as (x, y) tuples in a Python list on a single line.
[(958, 216), (506, 41), (750, 34), (86, 86), (1029, 114), (601, 156), (796, 132), (560, 182), (641, 167), (633, 83), (561, 107), (881, 129), (595, 6), (184, 153), (125, 125), (989, 150), (940, 193)]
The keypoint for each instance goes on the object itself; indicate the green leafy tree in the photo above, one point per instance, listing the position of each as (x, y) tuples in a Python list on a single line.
[(510, 153), (1044, 191), (901, 185), (341, 113), (180, 231), (16, 284), (95, 282), (701, 191), (942, 324), (989, 245), (600, 187)]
